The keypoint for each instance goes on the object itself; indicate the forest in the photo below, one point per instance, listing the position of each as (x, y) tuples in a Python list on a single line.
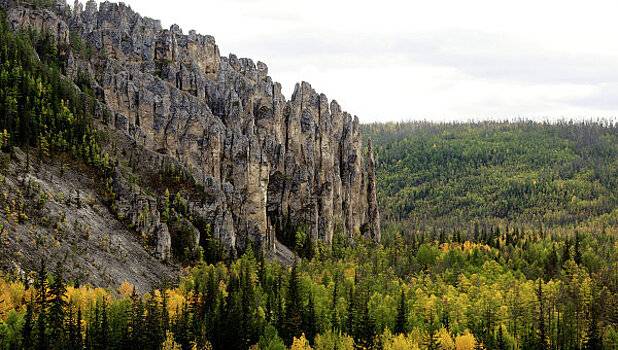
[(496, 235)]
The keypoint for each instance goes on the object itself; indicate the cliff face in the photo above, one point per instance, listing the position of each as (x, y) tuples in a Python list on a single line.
[(267, 163)]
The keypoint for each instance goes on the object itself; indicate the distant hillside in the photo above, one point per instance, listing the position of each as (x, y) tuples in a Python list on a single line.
[(554, 174)]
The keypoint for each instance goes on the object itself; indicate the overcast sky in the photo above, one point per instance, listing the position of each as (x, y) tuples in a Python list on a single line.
[(437, 60)]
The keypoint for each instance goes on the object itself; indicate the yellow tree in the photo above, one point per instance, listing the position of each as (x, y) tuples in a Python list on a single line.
[(398, 342), (169, 343), (444, 340), (300, 343), (465, 341), (332, 341)]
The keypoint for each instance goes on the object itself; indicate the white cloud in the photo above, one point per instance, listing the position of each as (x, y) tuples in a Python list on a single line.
[(443, 59)]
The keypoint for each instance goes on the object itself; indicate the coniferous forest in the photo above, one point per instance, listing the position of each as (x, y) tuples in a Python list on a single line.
[(496, 235)]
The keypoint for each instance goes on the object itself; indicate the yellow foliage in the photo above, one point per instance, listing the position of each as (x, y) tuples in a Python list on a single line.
[(169, 343), (126, 289), (85, 297), (349, 272), (444, 340), (175, 301), (12, 294), (223, 288), (300, 343), (465, 341), (331, 341), (398, 342)]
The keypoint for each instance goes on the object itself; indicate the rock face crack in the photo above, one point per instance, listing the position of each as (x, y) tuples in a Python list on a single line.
[(269, 163)]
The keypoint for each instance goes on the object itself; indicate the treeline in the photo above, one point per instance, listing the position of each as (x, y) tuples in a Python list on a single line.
[(551, 173), (409, 293)]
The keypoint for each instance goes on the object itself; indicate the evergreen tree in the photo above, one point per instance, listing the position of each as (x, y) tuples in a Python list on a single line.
[(542, 341), (501, 343), (293, 307), (310, 320), (402, 313), (334, 322), (103, 332), (136, 324), (182, 327), (351, 318), (594, 341), (366, 330), (27, 329), (153, 329), (74, 336), (57, 310), (42, 304)]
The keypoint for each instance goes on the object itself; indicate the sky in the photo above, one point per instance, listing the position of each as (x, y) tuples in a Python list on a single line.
[(438, 60)]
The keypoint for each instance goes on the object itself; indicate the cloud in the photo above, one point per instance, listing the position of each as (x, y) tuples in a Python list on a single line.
[(444, 59), (603, 97)]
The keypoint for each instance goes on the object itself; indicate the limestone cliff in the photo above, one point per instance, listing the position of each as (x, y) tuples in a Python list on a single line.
[(267, 163)]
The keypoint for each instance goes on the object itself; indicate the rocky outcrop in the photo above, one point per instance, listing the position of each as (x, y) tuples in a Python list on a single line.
[(267, 163)]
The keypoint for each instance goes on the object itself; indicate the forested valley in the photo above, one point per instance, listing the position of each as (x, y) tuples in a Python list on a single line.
[(495, 235)]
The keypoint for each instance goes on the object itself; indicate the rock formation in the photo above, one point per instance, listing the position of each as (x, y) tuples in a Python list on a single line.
[(267, 163)]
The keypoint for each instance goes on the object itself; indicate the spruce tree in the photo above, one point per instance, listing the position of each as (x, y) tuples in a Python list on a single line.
[(594, 340), (27, 329), (137, 331), (153, 331), (103, 333), (293, 306), (501, 342), (310, 320), (351, 318), (42, 304), (334, 322), (402, 312), (542, 341), (57, 310), (366, 330)]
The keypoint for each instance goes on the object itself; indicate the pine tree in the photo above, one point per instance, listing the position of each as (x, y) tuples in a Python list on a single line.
[(402, 312), (182, 327), (57, 310), (104, 328), (154, 335), (293, 306), (542, 342), (566, 251), (74, 330), (367, 327), (351, 318), (334, 314), (136, 324), (501, 342), (594, 341), (310, 320), (27, 329), (41, 323), (79, 338), (551, 265), (165, 316)]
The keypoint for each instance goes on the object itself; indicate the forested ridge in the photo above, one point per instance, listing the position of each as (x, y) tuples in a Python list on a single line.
[(497, 236), (554, 173)]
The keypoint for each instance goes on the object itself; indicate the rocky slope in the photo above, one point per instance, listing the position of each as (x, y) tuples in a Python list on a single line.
[(264, 164)]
